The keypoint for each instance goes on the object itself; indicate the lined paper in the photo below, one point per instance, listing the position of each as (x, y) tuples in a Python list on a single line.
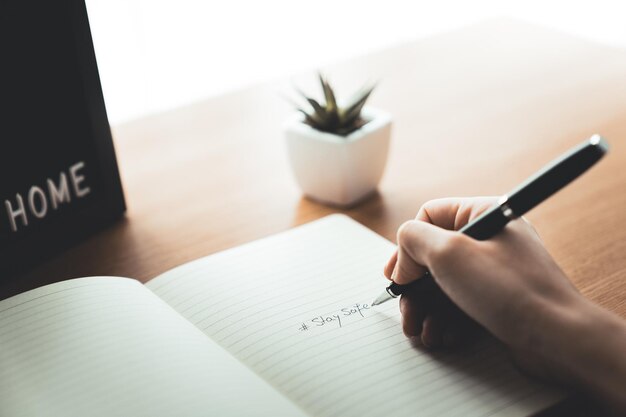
[(109, 347), (294, 308)]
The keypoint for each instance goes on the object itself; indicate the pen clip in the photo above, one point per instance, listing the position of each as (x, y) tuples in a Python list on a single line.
[(505, 208)]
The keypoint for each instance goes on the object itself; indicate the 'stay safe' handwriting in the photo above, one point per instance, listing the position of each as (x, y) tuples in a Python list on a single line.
[(337, 319)]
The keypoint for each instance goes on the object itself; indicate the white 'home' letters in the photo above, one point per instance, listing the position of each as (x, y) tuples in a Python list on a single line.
[(38, 203)]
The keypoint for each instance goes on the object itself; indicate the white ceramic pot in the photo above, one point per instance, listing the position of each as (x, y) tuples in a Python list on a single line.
[(339, 170)]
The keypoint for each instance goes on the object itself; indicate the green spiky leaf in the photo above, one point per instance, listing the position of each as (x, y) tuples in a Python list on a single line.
[(329, 95), (307, 117), (317, 107), (352, 111)]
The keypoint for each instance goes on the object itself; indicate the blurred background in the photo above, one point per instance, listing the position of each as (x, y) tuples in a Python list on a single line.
[(155, 55)]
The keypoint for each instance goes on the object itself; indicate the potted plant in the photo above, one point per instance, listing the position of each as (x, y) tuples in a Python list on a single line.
[(338, 151)]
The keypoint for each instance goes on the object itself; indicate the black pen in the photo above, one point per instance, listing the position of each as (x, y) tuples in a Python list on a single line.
[(530, 193)]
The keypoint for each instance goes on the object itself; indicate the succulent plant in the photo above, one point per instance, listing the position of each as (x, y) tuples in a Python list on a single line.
[(330, 116)]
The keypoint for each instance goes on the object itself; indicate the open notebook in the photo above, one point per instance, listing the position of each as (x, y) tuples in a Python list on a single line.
[(277, 327)]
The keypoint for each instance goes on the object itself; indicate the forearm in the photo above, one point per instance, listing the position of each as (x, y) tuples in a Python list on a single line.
[(588, 344)]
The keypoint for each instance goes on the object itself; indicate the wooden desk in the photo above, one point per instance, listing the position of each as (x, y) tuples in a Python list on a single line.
[(475, 112)]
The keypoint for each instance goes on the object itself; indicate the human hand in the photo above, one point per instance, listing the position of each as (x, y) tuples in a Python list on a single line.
[(506, 284), (511, 286)]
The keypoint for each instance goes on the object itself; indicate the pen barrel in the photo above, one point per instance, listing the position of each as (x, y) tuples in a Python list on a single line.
[(556, 175), (487, 224), (424, 283)]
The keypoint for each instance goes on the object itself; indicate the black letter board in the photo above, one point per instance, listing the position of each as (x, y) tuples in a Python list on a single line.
[(58, 175)]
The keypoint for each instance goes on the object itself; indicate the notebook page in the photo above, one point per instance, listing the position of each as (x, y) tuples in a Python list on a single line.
[(295, 309), (109, 347)]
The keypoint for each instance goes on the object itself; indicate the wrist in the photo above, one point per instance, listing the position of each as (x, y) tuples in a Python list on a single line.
[(583, 346)]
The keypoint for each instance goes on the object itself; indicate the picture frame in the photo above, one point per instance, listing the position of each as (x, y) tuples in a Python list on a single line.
[(59, 178)]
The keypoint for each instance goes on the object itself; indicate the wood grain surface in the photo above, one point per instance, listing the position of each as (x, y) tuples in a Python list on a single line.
[(475, 111)]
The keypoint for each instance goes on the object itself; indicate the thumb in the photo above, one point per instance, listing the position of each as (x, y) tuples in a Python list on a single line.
[(417, 242)]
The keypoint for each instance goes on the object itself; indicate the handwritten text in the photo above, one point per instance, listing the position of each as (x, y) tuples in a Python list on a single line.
[(336, 319)]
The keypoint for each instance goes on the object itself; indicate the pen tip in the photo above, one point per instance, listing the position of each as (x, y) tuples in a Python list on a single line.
[(381, 299)]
